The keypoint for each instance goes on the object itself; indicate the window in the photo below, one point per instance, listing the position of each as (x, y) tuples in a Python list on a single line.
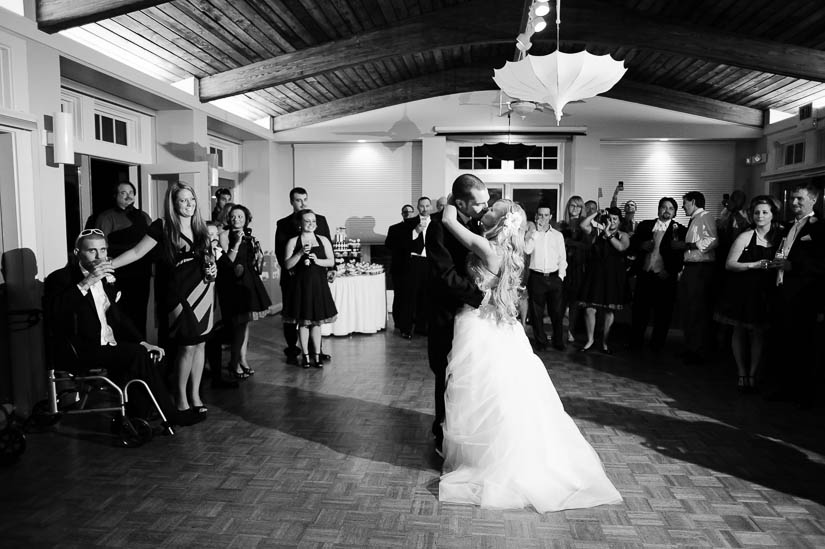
[(472, 158), (794, 153), (219, 153), (110, 129), (548, 159)]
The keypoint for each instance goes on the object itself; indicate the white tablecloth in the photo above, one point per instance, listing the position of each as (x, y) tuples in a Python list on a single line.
[(361, 301)]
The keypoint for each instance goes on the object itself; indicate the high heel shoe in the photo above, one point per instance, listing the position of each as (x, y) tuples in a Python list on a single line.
[(306, 363), (318, 362), (586, 348), (237, 372), (247, 370), (742, 384)]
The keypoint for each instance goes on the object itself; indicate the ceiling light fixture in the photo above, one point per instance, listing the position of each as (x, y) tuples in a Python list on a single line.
[(539, 24), (535, 23), (559, 78), (541, 8)]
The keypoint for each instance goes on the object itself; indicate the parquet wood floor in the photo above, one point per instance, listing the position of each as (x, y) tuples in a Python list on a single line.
[(341, 457)]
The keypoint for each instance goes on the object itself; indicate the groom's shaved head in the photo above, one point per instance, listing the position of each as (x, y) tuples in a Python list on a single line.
[(464, 184)]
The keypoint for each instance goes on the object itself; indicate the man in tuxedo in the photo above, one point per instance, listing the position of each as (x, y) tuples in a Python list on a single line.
[(450, 286), (415, 297), (800, 267), (286, 228), (656, 266), (398, 243), (81, 305)]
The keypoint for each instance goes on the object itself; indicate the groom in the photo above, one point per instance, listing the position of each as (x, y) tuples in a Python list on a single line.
[(450, 287)]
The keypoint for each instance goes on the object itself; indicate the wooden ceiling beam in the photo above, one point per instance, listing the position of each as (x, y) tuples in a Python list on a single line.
[(598, 23), (665, 98), (466, 79), (57, 15), (470, 23)]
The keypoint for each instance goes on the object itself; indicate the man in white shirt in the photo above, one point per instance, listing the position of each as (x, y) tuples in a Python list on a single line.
[(82, 310), (696, 282), (548, 267)]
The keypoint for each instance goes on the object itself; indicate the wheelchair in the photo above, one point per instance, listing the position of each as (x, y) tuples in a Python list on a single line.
[(70, 392)]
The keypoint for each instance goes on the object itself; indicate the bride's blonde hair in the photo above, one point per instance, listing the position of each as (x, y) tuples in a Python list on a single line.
[(507, 236)]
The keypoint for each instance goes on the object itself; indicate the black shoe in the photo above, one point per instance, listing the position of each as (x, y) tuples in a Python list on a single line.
[(323, 357), (187, 417), (406, 335), (606, 350), (224, 384), (586, 348), (292, 360)]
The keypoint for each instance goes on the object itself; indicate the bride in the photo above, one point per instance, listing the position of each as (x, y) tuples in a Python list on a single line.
[(508, 442)]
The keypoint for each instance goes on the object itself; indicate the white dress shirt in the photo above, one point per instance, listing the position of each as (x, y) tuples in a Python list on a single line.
[(425, 221), (702, 232), (102, 304), (547, 252), (654, 262)]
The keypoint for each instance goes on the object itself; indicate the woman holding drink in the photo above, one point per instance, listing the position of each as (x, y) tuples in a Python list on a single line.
[(184, 289)]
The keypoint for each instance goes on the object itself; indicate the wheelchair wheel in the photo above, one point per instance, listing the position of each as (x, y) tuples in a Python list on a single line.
[(133, 432), (41, 416), (12, 444)]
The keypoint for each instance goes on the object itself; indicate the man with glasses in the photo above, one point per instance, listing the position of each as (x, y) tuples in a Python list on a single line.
[(81, 307), (124, 226), (398, 241)]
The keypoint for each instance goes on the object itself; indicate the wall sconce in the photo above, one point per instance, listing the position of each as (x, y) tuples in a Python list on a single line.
[(61, 138)]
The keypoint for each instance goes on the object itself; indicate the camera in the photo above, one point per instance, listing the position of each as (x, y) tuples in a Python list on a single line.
[(603, 218)]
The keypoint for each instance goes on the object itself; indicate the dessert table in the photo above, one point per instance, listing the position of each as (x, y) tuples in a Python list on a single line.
[(361, 301)]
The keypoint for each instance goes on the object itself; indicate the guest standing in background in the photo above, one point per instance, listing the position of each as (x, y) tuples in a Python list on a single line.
[(124, 226), (576, 247), (398, 243), (547, 270), (213, 349), (696, 283), (308, 302), (799, 302), (287, 228), (604, 278), (245, 298), (184, 290), (744, 304), (656, 266), (416, 296), (223, 197)]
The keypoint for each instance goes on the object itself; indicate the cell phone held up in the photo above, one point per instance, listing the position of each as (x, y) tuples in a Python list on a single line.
[(620, 186)]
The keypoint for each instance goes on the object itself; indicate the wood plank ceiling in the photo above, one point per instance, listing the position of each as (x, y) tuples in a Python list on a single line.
[(304, 61)]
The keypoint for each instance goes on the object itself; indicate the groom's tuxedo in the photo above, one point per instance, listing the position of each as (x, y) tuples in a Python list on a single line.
[(450, 288)]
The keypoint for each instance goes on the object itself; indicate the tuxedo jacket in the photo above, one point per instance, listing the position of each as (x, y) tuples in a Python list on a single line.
[(71, 316), (450, 285), (807, 257), (288, 227), (673, 259), (399, 242)]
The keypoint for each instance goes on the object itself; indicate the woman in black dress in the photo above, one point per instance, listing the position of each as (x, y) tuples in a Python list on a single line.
[(184, 288), (308, 302), (242, 294), (604, 278), (576, 248), (744, 303)]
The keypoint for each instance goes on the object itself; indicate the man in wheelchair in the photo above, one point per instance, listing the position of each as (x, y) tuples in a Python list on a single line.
[(81, 310)]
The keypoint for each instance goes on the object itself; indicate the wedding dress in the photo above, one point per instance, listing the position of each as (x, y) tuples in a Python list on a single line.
[(508, 442)]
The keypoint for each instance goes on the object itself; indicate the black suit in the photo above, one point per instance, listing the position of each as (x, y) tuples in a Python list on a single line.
[(398, 241), (450, 288), (797, 301), (655, 292), (413, 297), (286, 228), (72, 317)]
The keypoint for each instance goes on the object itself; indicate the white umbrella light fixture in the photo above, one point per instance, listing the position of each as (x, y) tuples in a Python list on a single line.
[(558, 78)]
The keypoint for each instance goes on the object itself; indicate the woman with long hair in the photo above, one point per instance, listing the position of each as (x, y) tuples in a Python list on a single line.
[(604, 284), (184, 289), (576, 248), (508, 442), (744, 303), (242, 295)]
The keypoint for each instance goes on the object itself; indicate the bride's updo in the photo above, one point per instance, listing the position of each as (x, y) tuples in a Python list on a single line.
[(505, 225)]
